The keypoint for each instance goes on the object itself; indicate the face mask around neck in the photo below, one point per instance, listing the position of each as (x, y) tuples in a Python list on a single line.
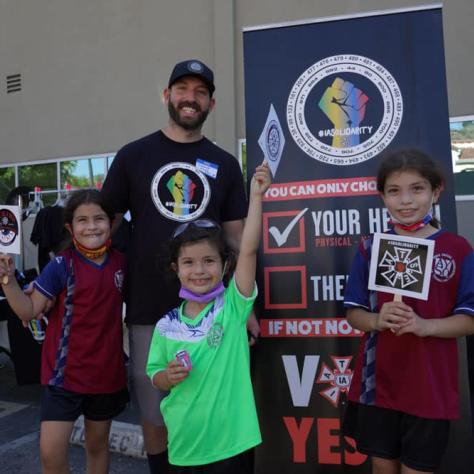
[(189, 295)]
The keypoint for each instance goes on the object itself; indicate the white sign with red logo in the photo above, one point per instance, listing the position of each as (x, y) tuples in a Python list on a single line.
[(10, 229)]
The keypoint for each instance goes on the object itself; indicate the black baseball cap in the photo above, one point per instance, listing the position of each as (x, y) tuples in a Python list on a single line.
[(193, 67)]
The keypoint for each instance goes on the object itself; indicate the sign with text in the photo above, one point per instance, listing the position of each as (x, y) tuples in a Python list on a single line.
[(401, 265), (323, 100)]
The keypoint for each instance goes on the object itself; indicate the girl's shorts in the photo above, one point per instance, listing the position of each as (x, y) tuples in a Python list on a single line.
[(240, 464), (58, 404), (419, 443)]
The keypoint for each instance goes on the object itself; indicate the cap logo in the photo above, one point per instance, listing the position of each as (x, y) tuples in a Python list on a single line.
[(195, 66)]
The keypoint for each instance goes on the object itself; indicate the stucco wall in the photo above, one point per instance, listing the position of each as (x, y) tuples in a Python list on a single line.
[(93, 71)]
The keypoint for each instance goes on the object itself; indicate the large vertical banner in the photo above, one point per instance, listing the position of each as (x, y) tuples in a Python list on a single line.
[(323, 100)]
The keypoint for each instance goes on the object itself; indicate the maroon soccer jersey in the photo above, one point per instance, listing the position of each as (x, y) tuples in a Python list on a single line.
[(83, 348), (414, 375)]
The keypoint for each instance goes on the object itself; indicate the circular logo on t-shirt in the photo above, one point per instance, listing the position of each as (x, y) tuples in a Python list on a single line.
[(180, 191), (444, 267), (8, 227)]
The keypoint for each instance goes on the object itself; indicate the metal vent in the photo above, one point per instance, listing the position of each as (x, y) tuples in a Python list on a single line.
[(13, 83)]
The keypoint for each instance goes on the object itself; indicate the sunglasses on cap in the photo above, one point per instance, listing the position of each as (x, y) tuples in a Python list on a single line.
[(199, 223)]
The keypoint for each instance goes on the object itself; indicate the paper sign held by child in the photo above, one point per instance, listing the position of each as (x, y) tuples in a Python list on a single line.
[(401, 265), (10, 233)]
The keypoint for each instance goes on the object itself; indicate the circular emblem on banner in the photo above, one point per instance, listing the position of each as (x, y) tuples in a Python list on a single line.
[(344, 109), (8, 227), (273, 141), (180, 191), (444, 267)]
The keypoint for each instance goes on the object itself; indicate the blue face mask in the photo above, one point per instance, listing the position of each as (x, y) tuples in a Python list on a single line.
[(189, 295)]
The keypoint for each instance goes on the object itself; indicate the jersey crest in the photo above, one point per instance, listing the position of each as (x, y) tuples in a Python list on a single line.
[(444, 267)]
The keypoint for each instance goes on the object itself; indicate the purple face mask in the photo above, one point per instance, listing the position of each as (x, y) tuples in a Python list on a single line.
[(186, 294)]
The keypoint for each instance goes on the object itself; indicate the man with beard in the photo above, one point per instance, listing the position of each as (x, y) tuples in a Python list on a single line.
[(173, 176)]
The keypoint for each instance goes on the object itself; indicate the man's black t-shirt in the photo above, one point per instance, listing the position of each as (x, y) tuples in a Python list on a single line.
[(164, 183)]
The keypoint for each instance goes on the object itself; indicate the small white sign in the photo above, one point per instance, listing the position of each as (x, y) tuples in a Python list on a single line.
[(272, 140), (10, 229), (401, 265)]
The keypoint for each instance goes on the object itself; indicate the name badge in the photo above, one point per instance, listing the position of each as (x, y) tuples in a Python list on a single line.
[(208, 168)]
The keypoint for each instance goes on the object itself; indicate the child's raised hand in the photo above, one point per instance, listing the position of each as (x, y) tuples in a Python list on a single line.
[(7, 268), (261, 179)]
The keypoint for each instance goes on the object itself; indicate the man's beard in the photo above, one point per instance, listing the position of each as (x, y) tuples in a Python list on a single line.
[(189, 125)]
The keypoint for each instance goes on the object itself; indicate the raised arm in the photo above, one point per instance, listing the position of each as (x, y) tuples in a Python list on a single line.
[(247, 259), (26, 307), (233, 232)]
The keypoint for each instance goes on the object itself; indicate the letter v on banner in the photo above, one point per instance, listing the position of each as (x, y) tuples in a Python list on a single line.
[(300, 387)]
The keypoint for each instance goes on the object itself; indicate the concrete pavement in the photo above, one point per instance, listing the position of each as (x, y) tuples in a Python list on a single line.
[(19, 432)]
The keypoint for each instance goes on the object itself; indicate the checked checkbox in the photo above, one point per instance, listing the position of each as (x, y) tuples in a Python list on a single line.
[(284, 232)]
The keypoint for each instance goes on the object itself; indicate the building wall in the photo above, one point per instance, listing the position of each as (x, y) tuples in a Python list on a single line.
[(93, 71), (464, 209)]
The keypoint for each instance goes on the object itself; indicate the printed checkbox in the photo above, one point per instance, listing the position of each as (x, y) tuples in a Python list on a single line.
[(284, 231), (285, 287)]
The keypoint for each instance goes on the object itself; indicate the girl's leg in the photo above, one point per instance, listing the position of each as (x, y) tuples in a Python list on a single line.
[(97, 446), (54, 445), (385, 466)]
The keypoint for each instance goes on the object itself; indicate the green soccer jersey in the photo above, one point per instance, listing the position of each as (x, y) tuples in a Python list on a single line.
[(211, 415)]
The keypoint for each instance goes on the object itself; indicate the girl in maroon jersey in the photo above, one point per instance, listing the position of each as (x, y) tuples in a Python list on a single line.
[(82, 367), (404, 390)]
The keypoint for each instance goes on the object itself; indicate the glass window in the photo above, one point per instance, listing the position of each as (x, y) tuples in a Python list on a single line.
[(42, 175), (7, 182), (85, 173), (462, 143), (462, 151), (109, 161)]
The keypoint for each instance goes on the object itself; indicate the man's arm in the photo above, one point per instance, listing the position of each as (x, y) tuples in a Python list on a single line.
[(233, 233), (116, 223)]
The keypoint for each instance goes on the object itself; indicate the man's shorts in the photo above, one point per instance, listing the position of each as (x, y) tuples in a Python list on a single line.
[(58, 404), (419, 443), (145, 396)]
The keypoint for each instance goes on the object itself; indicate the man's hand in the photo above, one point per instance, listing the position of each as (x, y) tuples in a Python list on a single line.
[(253, 329)]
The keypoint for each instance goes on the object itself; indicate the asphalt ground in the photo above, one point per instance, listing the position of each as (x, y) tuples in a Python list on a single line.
[(19, 432)]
